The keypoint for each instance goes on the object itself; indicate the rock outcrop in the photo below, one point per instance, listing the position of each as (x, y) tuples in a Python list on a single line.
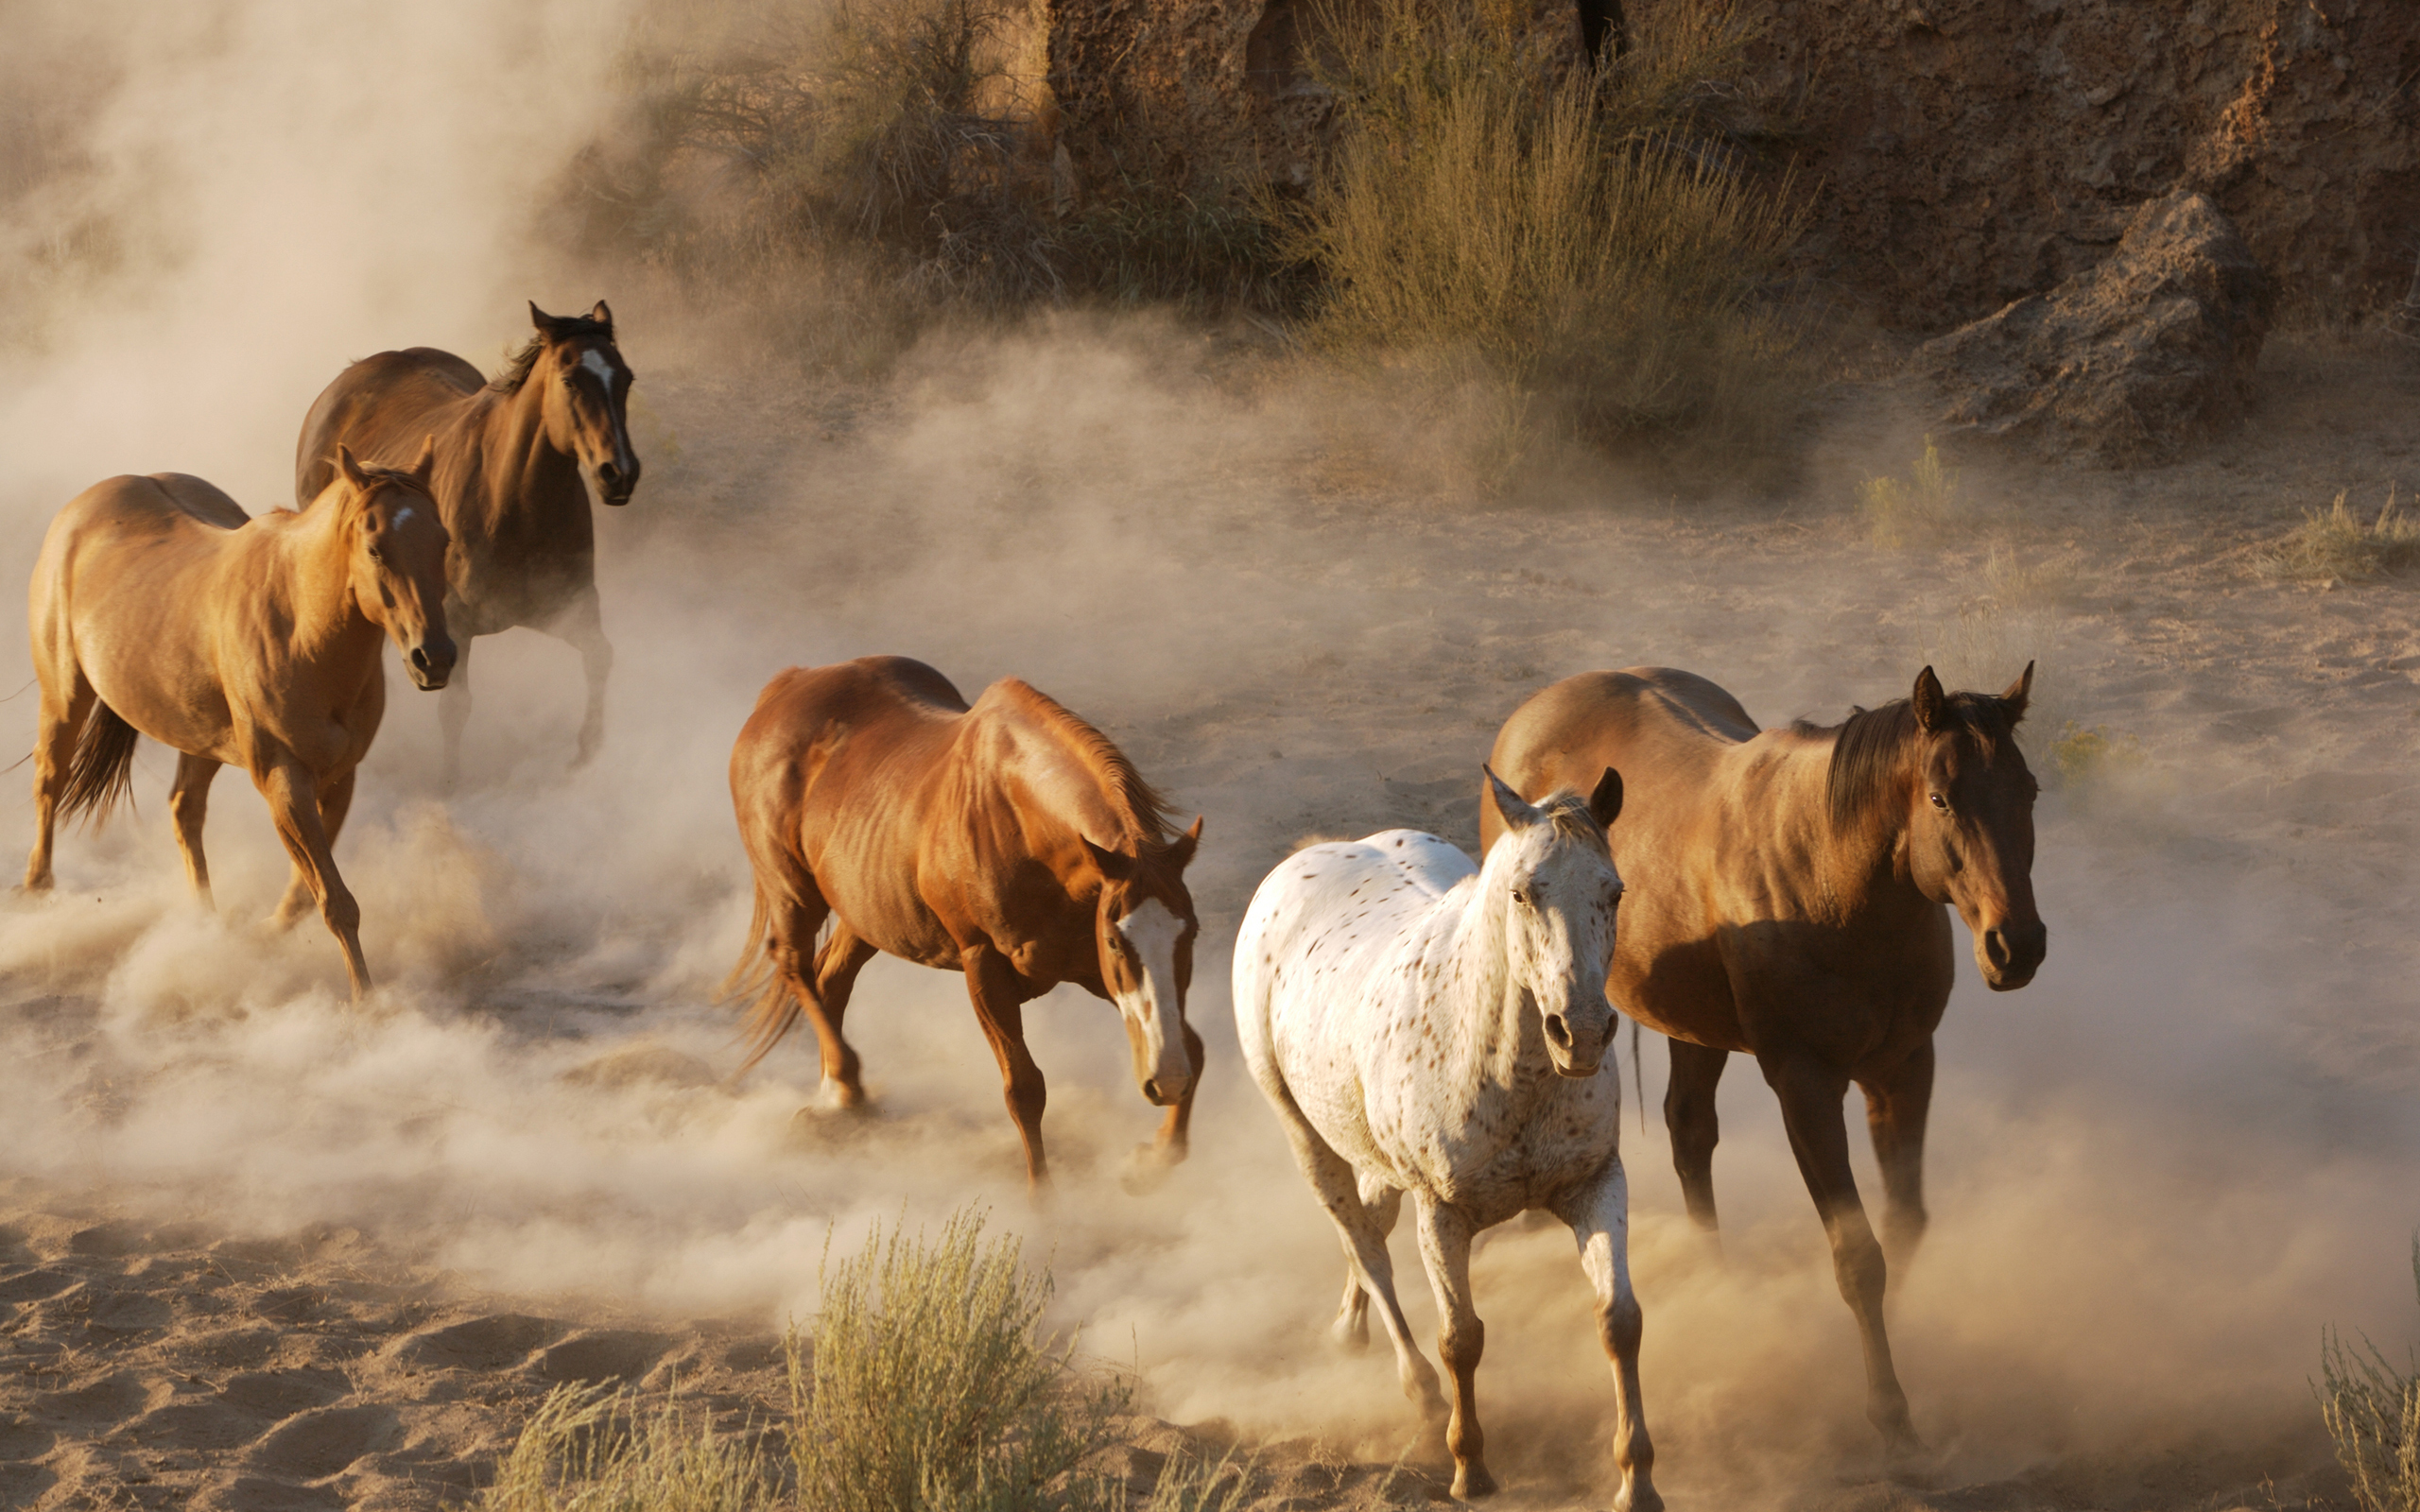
[(2126, 365)]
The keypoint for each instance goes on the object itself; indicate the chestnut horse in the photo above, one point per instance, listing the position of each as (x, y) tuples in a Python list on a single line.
[(1423, 1026), (1009, 841), (510, 455), (1788, 902), (159, 608)]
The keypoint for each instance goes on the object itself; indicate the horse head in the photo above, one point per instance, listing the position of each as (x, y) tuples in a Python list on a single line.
[(395, 547), (1144, 927), (1553, 876), (587, 396), (1970, 824)]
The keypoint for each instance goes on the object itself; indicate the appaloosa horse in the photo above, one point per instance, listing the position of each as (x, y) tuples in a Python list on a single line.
[(1009, 841), (1424, 1025), (510, 455), (159, 608), (1788, 903)]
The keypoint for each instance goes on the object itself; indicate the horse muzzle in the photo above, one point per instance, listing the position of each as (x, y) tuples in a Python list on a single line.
[(1165, 1091), (430, 663), (1576, 1055), (2011, 953), (617, 482)]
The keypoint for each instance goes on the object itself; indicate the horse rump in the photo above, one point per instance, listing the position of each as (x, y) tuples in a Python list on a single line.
[(101, 773)]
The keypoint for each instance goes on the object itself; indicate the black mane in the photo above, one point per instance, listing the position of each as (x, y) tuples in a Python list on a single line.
[(1870, 748), (524, 356)]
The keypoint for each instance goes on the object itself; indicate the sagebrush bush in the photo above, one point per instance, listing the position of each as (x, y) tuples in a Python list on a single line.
[(2372, 1410), (1919, 509), (1584, 234), (2336, 543)]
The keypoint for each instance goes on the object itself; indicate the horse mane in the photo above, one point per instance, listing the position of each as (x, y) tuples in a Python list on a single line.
[(1869, 748), (1567, 812), (1143, 808), (518, 362)]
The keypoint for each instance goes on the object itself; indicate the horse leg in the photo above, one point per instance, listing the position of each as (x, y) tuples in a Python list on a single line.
[(294, 804), (453, 709), (582, 626), (61, 723), (1811, 1094), (1381, 1203), (1689, 1116), (1600, 1220), (336, 802), (1150, 1163), (189, 804), (999, 1006), (1896, 1103), (836, 977), (1445, 1248)]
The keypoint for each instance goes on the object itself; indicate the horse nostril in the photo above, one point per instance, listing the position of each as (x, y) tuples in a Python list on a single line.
[(1151, 1089), (1995, 949), (1559, 1030), (419, 657)]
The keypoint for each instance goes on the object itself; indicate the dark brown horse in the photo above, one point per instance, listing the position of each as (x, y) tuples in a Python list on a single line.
[(159, 608), (1787, 893), (511, 457), (1009, 841)]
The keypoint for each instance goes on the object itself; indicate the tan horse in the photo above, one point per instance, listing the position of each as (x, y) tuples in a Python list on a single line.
[(159, 608), (510, 455), (1787, 893), (1009, 841)]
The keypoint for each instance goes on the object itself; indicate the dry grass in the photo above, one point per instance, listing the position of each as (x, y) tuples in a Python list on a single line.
[(1918, 510), (2083, 756), (2335, 545), (1586, 239), (2372, 1410), (597, 1449)]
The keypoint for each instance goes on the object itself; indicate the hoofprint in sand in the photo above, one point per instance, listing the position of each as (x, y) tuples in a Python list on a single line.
[(2157, 1171)]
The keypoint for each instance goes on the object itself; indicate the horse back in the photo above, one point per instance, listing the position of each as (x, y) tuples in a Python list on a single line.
[(383, 407)]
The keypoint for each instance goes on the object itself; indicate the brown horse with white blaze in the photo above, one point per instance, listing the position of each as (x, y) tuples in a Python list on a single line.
[(511, 457), (1788, 898), (159, 608), (1008, 840)]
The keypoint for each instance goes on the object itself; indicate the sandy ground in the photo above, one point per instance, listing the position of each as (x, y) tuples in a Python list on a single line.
[(260, 1248)]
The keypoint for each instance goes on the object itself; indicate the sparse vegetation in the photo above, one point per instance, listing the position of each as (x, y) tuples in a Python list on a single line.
[(2336, 544), (2015, 584), (1913, 510), (2372, 1412), (2082, 755), (928, 1386), (1589, 240)]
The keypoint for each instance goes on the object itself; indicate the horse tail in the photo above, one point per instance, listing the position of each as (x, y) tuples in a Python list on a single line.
[(101, 773), (758, 973), (1638, 1077)]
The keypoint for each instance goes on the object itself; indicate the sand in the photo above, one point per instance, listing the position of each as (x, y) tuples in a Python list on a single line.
[(260, 1248)]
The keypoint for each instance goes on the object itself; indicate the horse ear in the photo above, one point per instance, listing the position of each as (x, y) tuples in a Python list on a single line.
[(545, 322), (1180, 852), (1115, 867), (349, 468), (2018, 693), (603, 316), (425, 467), (1932, 704), (1605, 805), (1516, 813)]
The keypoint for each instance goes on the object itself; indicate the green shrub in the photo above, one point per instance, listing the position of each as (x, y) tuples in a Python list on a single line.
[(2335, 544), (1917, 509), (2372, 1412), (931, 1388), (1583, 236)]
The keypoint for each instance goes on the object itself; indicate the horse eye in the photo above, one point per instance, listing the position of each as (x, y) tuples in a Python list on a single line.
[(1520, 897), (1940, 802), (376, 553)]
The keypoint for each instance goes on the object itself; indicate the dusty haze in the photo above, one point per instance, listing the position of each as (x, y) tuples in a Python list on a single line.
[(2155, 1174)]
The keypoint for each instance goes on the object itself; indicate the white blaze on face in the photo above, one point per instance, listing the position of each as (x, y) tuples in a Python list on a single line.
[(403, 514), (1152, 931), (595, 362)]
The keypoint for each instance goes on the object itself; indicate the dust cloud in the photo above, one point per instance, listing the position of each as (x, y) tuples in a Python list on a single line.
[(2155, 1174)]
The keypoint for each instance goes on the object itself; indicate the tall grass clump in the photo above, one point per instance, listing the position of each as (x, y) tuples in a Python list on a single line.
[(2336, 543), (931, 1388), (1589, 238), (1912, 511), (2372, 1410), (598, 1449)]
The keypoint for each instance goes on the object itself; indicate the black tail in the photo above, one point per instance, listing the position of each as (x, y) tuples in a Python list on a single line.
[(102, 771)]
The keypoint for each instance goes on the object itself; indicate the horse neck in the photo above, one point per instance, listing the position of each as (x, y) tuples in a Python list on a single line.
[(1860, 870), (521, 468), (1068, 792), (1494, 1035), (310, 573)]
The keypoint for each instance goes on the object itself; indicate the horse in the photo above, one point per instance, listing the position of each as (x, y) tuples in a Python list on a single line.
[(1009, 840), (159, 608), (1421, 1024), (511, 457), (1791, 905)]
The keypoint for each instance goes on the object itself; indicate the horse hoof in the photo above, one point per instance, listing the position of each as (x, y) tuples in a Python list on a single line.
[(1472, 1482), (1640, 1498)]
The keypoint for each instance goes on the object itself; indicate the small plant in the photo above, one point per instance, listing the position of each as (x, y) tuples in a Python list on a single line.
[(1916, 510), (1189, 1483), (2016, 585), (2082, 756), (931, 1388), (2372, 1412), (2335, 544), (595, 1449)]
